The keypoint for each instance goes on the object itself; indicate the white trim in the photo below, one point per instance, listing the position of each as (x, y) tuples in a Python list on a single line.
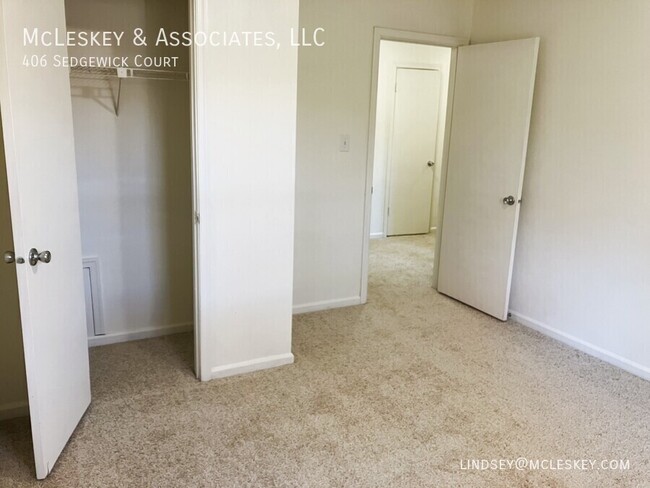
[(379, 34), (197, 15), (327, 304), (252, 365), (584, 346), (442, 188), (138, 334), (14, 410), (377, 235)]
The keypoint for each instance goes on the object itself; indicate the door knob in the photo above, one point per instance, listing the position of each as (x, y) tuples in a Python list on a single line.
[(35, 256), (430, 163), (9, 257), (509, 200)]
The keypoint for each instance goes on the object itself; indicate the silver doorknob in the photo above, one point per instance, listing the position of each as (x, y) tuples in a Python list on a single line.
[(35, 256), (430, 163), (9, 257), (509, 200)]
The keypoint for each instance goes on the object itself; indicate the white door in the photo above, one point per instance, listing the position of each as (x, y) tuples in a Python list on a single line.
[(41, 174), (487, 153), (415, 130)]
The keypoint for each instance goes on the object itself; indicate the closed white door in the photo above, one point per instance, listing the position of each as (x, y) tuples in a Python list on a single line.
[(42, 181), (487, 155), (411, 167)]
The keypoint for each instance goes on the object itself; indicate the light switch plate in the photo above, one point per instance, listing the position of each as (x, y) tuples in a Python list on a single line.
[(344, 143)]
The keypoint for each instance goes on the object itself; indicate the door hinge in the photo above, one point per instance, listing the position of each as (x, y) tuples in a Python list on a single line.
[(197, 218), (372, 190), (389, 211)]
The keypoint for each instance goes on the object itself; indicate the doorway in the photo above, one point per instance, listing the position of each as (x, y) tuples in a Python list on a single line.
[(411, 88), (126, 208), (133, 152), (481, 170), (410, 121)]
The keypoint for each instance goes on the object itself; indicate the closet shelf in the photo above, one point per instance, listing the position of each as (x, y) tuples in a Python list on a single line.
[(149, 74), (125, 73)]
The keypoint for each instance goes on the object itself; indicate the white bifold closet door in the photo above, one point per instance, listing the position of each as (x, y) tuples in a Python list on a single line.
[(487, 154), (42, 181)]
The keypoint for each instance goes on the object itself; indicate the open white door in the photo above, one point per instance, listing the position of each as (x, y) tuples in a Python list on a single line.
[(415, 131), (42, 181), (487, 154)]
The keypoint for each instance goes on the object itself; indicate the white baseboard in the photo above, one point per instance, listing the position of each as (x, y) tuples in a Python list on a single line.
[(138, 334), (377, 235), (14, 410), (584, 346), (326, 305), (250, 366)]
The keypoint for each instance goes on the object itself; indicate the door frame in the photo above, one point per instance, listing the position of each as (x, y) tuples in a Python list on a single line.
[(388, 34), (389, 162), (197, 13)]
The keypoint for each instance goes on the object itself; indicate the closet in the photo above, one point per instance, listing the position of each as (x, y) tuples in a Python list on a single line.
[(132, 145), (133, 152), (129, 207)]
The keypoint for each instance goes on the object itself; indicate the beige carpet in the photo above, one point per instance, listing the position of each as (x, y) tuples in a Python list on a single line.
[(395, 393)]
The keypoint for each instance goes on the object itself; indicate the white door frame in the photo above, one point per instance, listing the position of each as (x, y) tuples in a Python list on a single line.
[(197, 13), (389, 161), (387, 34)]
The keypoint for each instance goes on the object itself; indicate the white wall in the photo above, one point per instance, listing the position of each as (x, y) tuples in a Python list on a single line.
[(334, 99), (134, 173), (395, 55), (13, 386), (582, 266), (246, 152)]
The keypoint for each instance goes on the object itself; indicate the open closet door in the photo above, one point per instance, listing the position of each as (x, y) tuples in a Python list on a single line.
[(487, 154), (42, 181)]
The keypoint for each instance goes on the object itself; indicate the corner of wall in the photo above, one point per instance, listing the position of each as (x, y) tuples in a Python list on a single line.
[(472, 20)]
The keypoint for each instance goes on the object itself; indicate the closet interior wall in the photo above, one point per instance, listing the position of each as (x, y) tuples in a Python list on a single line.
[(13, 386), (134, 172)]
